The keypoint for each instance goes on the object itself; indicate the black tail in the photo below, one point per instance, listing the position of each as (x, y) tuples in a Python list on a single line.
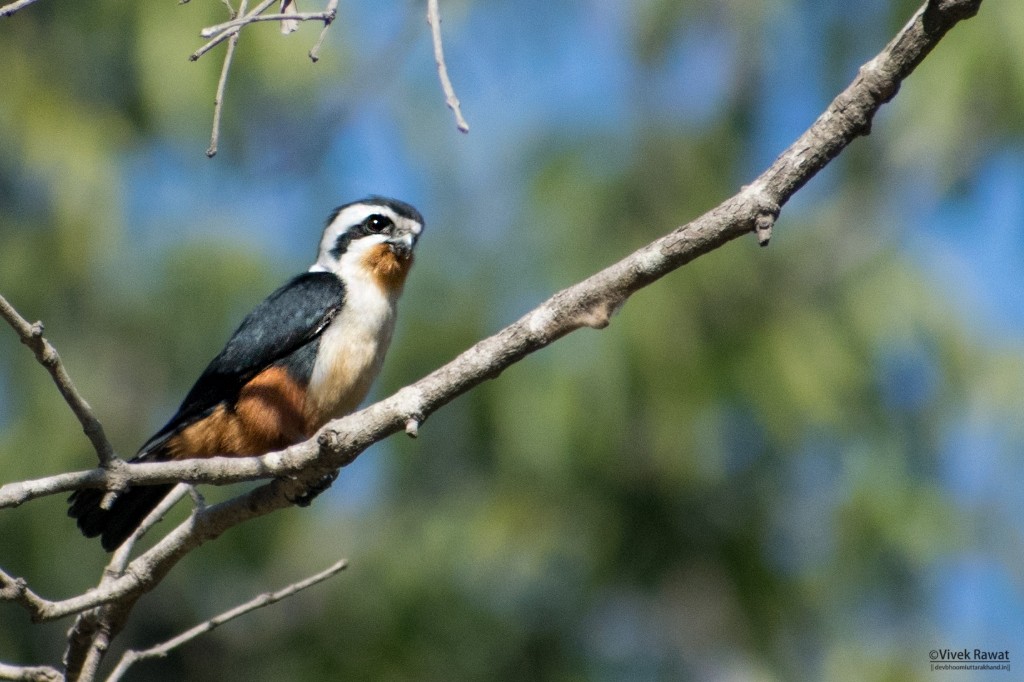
[(114, 525)]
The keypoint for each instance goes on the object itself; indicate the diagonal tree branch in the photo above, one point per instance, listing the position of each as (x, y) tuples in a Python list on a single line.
[(591, 302), (32, 336)]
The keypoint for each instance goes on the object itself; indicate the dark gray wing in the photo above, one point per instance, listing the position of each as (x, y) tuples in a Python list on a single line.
[(285, 322)]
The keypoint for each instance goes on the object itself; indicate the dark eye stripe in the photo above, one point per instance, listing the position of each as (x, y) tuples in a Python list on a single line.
[(341, 244), (374, 224)]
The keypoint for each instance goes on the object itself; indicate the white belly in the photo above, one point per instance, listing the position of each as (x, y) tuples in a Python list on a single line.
[(350, 355)]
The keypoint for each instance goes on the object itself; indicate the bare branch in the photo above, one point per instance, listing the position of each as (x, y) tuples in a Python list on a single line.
[(231, 30), (434, 19), (147, 570), (120, 557), (332, 9), (94, 654), (215, 470), (11, 8), (32, 336), (39, 673), (16, 590), (218, 99), (89, 638), (224, 35), (17, 493), (131, 656), (591, 302), (242, 22)]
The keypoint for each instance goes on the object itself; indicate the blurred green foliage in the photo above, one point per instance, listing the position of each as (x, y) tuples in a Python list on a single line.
[(740, 478)]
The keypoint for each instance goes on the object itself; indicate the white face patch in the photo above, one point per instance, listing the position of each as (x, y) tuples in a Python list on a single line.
[(331, 259), (350, 266)]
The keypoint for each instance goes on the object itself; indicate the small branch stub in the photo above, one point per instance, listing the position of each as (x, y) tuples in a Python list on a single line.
[(763, 224)]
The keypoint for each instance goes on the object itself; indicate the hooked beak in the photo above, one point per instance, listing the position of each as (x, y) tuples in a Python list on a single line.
[(401, 245)]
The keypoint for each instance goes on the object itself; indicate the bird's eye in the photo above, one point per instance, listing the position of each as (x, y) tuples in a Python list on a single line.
[(377, 223)]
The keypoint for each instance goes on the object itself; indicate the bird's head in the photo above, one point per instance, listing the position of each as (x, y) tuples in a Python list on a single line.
[(373, 237)]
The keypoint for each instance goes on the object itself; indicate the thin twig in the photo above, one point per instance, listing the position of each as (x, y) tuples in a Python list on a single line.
[(218, 99), (120, 557), (224, 35), (118, 476), (132, 656), (242, 22), (332, 10), (32, 336), (434, 19), (9, 9), (17, 493)]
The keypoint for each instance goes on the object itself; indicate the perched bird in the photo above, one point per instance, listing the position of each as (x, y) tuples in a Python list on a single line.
[(305, 355)]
